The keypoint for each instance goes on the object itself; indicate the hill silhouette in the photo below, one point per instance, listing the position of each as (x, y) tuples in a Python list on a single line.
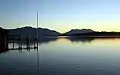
[(30, 31), (98, 34), (44, 32), (78, 31)]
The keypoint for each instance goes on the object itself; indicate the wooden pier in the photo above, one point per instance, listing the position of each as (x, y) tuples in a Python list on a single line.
[(23, 42)]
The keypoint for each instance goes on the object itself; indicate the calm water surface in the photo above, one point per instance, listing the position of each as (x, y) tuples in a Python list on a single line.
[(64, 56)]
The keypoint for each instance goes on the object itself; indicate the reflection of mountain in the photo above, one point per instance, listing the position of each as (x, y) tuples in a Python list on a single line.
[(29, 31), (79, 39), (87, 39), (53, 39), (47, 39)]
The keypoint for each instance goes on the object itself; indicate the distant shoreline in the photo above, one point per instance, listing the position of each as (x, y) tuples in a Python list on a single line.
[(96, 35)]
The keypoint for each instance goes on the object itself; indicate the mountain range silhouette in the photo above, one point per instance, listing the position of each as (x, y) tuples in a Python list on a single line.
[(44, 32)]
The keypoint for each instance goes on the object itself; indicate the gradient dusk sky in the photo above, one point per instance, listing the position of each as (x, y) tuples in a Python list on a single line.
[(61, 15)]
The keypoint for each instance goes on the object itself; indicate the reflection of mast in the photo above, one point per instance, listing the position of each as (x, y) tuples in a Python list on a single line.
[(37, 46), (37, 61)]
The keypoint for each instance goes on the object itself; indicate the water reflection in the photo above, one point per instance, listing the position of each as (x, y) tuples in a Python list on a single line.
[(47, 40), (80, 39), (61, 56), (6, 46)]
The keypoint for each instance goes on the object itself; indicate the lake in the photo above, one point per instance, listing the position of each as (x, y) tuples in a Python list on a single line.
[(64, 56)]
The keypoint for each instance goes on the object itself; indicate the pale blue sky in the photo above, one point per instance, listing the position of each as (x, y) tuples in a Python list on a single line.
[(61, 15)]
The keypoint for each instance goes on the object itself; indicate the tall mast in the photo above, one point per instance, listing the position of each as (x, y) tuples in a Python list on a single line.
[(37, 25)]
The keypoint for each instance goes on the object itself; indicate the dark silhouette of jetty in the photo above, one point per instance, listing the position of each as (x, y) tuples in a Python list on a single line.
[(3, 40), (6, 39)]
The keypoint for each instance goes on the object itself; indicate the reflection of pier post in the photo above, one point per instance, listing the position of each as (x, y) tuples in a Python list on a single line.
[(34, 43), (20, 42), (28, 42), (13, 44)]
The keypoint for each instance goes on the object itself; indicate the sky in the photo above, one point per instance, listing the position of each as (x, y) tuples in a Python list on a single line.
[(61, 15)]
